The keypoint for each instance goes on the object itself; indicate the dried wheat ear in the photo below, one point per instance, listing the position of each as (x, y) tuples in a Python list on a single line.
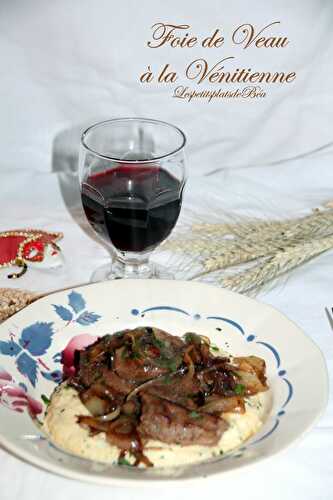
[(270, 247), (13, 300)]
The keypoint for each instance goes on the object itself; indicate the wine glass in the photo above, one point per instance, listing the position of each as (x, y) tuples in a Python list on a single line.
[(132, 175)]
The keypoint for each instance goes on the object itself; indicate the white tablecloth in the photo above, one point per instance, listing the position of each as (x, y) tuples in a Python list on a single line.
[(305, 471)]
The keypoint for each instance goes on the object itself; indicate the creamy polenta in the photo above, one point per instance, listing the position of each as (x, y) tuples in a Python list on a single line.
[(61, 427)]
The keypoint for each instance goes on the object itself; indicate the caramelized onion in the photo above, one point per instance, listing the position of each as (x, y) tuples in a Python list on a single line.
[(251, 382), (190, 365), (110, 416), (233, 404), (93, 423), (151, 382), (250, 371), (96, 405), (206, 340)]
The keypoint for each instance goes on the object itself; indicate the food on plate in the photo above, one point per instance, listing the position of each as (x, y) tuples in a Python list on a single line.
[(145, 397)]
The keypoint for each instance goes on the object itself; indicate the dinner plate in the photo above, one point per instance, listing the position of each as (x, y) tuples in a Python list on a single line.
[(32, 342)]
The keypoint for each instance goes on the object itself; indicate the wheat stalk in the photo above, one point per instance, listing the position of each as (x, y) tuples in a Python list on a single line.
[(222, 254), (317, 224), (242, 229), (277, 265), (264, 249), (249, 240)]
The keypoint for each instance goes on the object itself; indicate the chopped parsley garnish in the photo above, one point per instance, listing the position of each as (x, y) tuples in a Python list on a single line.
[(194, 414), (45, 399), (214, 348), (173, 364), (123, 461), (192, 338), (170, 363), (157, 342), (167, 379), (239, 389), (124, 353), (135, 355)]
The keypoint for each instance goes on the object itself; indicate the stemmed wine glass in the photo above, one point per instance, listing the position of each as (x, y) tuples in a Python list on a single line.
[(132, 175)]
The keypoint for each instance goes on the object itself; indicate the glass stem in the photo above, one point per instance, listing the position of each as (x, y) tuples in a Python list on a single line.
[(132, 265)]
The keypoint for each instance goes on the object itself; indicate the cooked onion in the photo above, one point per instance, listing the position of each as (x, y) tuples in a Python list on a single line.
[(151, 382), (250, 371), (234, 404), (96, 406), (93, 423), (110, 416), (205, 339), (190, 365), (251, 382)]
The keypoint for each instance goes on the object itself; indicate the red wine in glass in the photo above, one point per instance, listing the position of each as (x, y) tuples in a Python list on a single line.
[(134, 207)]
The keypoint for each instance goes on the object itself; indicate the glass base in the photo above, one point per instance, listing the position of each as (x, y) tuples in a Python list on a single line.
[(118, 270)]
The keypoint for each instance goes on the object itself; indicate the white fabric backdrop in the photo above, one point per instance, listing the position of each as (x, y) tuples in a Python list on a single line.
[(65, 64)]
